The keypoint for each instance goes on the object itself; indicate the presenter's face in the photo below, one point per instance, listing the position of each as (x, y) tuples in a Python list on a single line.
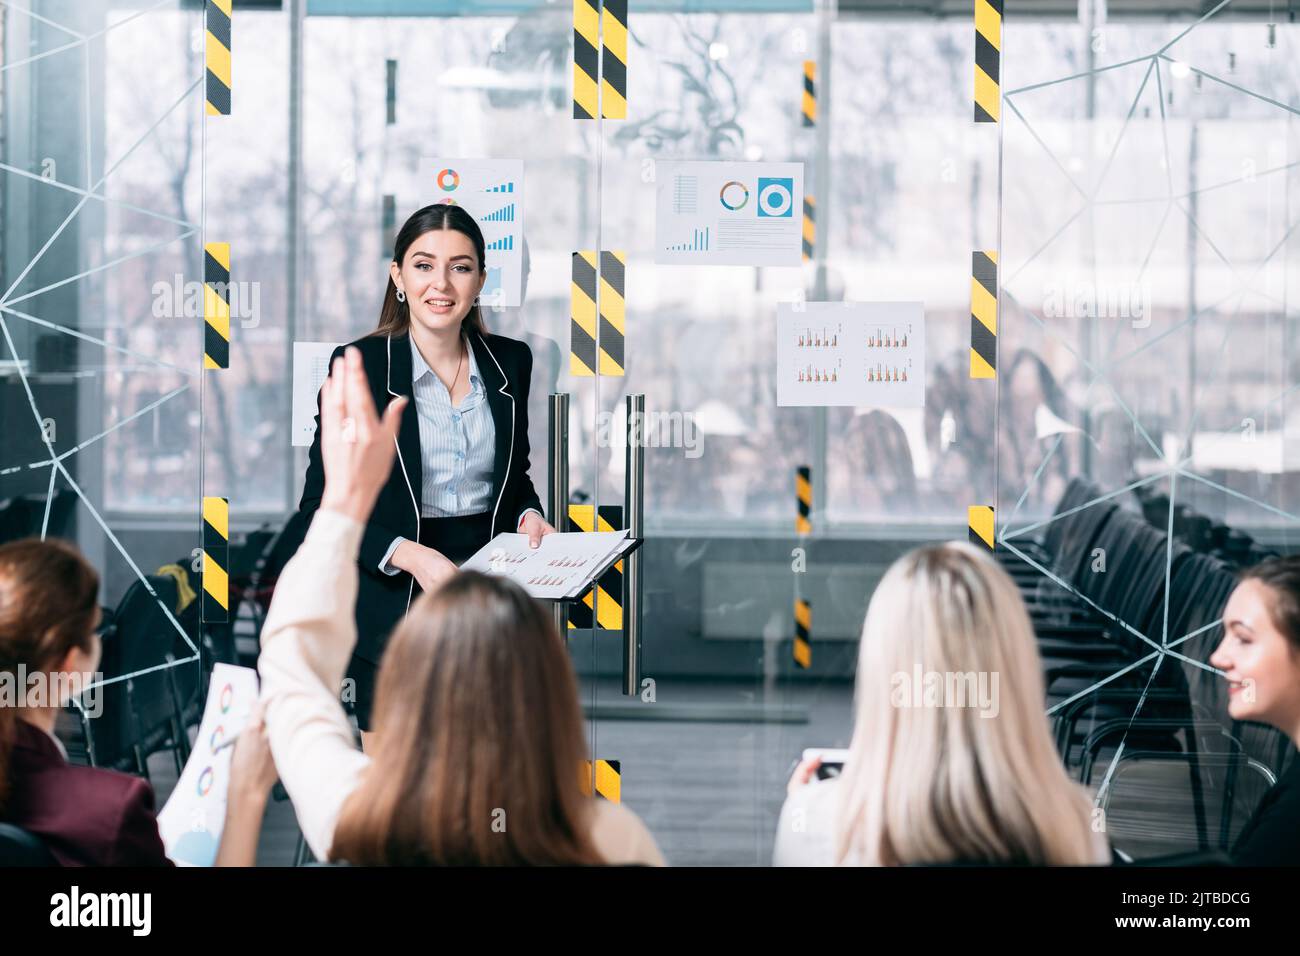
[(1262, 667), (441, 277)]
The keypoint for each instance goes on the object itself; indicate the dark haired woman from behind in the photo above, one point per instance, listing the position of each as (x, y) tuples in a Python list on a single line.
[(461, 473), (1260, 657), (83, 815), (478, 750)]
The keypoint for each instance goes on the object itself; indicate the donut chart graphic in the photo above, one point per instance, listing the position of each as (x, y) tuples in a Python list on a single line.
[(227, 697), (205, 781), (448, 179), (218, 735), (726, 192), (776, 198)]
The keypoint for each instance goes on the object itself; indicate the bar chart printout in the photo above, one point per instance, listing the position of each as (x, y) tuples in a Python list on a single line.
[(562, 566), (868, 354)]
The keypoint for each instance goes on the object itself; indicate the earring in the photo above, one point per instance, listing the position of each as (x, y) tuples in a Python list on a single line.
[(401, 296)]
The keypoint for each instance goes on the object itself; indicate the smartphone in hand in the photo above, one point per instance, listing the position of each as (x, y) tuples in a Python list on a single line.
[(832, 764)]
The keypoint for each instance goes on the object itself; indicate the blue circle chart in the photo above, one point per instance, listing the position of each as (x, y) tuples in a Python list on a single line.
[(776, 198)]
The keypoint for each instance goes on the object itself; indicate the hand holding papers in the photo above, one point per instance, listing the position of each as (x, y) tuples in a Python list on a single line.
[(561, 568), (195, 814)]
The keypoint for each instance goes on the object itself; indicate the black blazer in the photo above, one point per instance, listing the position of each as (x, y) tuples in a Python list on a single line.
[(506, 366), (1271, 837)]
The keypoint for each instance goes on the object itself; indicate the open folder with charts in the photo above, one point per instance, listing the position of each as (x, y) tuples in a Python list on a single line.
[(562, 568)]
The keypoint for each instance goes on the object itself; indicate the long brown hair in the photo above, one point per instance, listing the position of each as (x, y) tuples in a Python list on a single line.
[(48, 595), (394, 316), (480, 740), (1282, 577)]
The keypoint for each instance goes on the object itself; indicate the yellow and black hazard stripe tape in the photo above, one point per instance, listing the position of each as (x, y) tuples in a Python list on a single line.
[(217, 58), (984, 315), (979, 519), (610, 584), (803, 633), (600, 59), (613, 61), (586, 58), (988, 56), (809, 227), (216, 305), (582, 313), (608, 779), (803, 497), (808, 109), (216, 559)]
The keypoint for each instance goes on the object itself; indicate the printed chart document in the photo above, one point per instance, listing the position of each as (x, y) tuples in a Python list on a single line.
[(191, 822), (562, 567), (729, 214), (311, 366), (869, 354), (492, 191)]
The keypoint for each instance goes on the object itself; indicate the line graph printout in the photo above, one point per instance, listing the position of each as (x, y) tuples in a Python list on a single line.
[(851, 353)]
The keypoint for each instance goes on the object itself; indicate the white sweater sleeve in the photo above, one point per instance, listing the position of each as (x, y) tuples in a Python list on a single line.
[(307, 640)]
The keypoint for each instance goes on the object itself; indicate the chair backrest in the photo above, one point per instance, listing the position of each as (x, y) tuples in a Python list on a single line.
[(246, 555), (1162, 803), (20, 848), (60, 509), (15, 519), (278, 553), (142, 637)]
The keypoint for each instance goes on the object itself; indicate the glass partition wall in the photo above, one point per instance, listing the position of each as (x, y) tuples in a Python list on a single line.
[(1135, 195)]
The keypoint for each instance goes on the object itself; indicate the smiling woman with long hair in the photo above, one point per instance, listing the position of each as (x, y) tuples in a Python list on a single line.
[(1260, 658), (461, 472)]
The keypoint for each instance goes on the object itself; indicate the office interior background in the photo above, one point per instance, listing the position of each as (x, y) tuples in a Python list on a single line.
[(1136, 192)]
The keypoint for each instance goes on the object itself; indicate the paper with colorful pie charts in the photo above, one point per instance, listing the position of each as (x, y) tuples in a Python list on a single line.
[(191, 822), (563, 566), (738, 214), (492, 191), (864, 354)]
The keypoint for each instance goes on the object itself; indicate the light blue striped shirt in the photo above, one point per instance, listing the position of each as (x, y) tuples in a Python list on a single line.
[(457, 446)]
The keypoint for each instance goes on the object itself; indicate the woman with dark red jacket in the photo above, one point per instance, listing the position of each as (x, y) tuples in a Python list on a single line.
[(87, 816)]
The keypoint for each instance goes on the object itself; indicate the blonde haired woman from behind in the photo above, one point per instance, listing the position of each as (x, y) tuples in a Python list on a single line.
[(951, 760)]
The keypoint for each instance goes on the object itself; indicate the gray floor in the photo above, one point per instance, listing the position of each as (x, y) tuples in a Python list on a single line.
[(709, 790)]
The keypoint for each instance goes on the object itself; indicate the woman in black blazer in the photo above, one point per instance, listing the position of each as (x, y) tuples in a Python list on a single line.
[(1260, 657), (461, 472)]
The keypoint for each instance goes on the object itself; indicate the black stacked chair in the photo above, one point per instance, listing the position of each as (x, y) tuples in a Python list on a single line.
[(20, 848), (267, 571), (145, 713), (1095, 584)]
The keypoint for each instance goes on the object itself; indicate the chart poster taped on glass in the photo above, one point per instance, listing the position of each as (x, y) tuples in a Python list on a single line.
[(729, 214), (492, 191), (850, 353)]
